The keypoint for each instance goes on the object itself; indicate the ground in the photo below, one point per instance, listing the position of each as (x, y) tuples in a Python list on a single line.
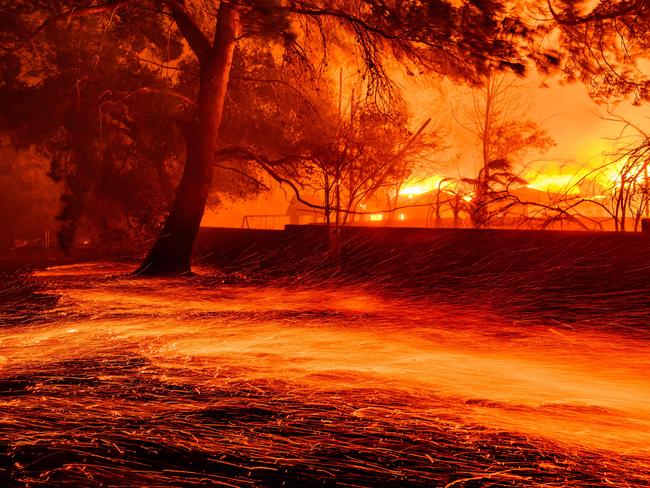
[(107, 379)]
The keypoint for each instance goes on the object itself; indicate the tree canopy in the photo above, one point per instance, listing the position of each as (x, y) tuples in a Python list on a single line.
[(606, 46)]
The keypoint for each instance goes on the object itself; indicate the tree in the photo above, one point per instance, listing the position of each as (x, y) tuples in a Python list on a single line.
[(365, 152), (83, 102), (459, 41), (606, 45), (505, 137), (624, 185), (313, 142), (631, 191)]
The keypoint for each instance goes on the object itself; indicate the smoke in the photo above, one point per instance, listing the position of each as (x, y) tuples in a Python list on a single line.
[(28, 198)]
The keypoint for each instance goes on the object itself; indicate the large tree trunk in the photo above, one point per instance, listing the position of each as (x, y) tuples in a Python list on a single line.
[(172, 251)]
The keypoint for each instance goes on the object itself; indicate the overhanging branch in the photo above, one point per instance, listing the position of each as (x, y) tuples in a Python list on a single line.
[(595, 16)]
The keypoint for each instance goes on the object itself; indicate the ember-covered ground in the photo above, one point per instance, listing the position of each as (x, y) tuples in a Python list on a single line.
[(107, 379)]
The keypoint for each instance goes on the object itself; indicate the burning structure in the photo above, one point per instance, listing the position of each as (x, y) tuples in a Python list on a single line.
[(444, 203)]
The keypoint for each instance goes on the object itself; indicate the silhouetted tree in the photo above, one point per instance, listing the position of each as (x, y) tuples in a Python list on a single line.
[(84, 101), (606, 45), (460, 40), (624, 185), (345, 153), (497, 119)]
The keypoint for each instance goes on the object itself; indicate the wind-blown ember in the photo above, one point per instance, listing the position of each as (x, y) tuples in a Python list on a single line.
[(114, 379)]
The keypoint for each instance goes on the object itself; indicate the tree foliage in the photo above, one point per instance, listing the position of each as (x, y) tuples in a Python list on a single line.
[(82, 98), (113, 88), (28, 200), (606, 45)]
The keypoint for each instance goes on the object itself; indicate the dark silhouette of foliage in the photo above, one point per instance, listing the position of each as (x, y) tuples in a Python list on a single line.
[(118, 84), (606, 46)]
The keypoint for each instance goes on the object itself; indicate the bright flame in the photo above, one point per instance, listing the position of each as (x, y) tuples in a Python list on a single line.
[(613, 176), (557, 183), (376, 217), (419, 186)]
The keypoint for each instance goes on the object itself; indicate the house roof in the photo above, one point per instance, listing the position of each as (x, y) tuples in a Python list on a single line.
[(296, 205)]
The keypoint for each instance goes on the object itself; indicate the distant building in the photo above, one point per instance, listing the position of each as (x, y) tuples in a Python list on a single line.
[(300, 213), (522, 207)]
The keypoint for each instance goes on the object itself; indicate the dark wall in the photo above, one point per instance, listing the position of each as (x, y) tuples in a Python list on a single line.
[(522, 265)]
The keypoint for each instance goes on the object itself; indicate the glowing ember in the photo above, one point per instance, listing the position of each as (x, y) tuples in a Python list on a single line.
[(260, 384)]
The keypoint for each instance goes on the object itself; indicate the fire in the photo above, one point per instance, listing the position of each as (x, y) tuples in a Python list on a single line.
[(555, 183), (421, 186), (621, 169)]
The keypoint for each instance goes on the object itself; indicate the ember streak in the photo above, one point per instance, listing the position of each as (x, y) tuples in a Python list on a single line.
[(109, 379)]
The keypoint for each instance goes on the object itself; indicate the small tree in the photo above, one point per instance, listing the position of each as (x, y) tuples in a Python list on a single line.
[(346, 154), (505, 137)]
